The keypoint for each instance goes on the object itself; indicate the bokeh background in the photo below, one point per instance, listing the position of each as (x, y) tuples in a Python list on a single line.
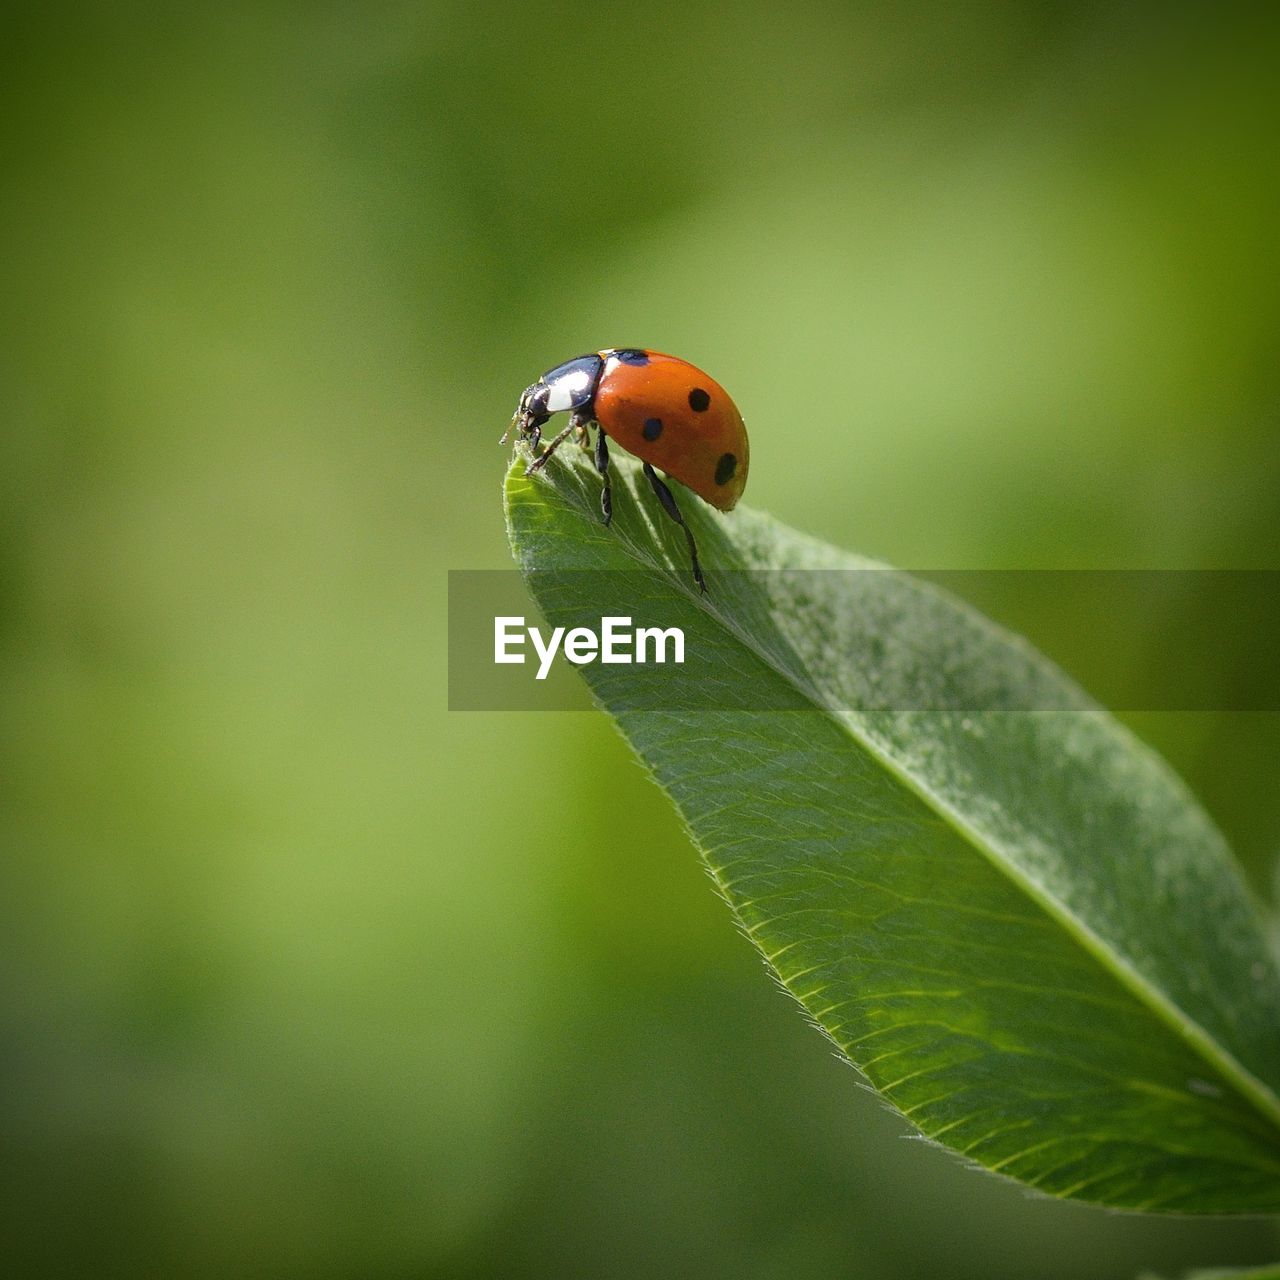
[(302, 974)]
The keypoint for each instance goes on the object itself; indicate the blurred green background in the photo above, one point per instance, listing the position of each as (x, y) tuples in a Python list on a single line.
[(301, 974)]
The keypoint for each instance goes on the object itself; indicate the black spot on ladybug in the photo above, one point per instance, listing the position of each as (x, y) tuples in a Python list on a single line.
[(652, 428), (698, 401), (632, 355), (725, 468)]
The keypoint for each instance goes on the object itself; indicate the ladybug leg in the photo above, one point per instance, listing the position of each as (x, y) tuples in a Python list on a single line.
[(534, 432), (669, 506), (527, 425), (541, 460), (581, 434), (602, 466)]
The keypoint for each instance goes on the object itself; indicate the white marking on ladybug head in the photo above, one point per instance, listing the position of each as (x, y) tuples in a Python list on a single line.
[(567, 390)]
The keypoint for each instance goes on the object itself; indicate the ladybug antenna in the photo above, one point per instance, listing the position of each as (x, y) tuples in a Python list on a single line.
[(511, 426)]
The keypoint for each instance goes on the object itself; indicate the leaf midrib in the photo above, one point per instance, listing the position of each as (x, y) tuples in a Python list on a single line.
[(1183, 1026)]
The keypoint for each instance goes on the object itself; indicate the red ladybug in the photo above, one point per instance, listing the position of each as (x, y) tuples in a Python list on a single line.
[(658, 407)]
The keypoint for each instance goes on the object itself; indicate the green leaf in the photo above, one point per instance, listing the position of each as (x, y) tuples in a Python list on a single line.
[(1016, 923), (1269, 1272)]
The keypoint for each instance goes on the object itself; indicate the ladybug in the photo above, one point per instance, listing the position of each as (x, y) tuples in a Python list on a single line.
[(658, 407)]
